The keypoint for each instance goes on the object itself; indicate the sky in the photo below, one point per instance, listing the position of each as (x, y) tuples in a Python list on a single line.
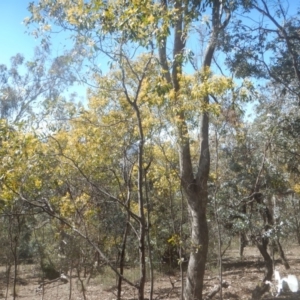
[(13, 36)]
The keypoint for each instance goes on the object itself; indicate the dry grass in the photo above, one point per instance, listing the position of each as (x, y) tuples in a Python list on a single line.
[(242, 277)]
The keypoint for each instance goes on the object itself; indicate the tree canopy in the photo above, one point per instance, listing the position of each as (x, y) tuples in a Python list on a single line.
[(160, 148)]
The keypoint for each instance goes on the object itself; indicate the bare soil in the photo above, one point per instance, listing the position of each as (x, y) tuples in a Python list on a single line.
[(242, 277)]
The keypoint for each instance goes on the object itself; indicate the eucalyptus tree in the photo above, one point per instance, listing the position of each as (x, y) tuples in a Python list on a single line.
[(279, 115), (28, 85), (263, 43), (265, 47), (123, 29), (258, 185), (283, 40)]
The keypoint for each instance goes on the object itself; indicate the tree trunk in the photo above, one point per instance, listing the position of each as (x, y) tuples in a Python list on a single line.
[(142, 250), (122, 257), (242, 234), (8, 268), (149, 236), (142, 217), (197, 261), (263, 249), (296, 213), (272, 221), (243, 244), (194, 183), (282, 255), (197, 196)]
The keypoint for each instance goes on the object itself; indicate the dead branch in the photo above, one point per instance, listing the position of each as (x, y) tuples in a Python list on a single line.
[(63, 279), (215, 290)]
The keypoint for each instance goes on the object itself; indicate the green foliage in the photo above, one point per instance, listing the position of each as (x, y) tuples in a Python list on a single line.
[(26, 85)]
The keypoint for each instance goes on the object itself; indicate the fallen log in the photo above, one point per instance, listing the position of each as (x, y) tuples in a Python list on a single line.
[(63, 278)]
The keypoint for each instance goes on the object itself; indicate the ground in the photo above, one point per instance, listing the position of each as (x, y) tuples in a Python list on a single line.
[(241, 276)]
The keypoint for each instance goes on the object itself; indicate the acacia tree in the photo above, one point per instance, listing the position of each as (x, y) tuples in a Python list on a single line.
[(109, 26), (26, 86)]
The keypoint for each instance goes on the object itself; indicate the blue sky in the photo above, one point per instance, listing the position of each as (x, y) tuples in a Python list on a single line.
[(13, 38)]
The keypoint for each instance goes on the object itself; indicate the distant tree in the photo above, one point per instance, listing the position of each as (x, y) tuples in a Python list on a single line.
[(26, 86)]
